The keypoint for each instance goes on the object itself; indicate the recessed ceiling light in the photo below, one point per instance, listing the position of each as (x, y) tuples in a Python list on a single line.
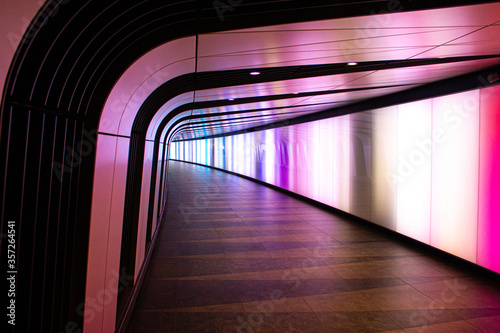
[(231, 99), (295, 93), (352, 63), (254, 73)]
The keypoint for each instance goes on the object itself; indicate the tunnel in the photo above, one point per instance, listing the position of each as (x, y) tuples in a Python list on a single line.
[(256, 140)]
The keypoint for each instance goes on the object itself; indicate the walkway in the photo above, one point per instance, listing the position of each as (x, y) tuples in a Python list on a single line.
[(235, 256)]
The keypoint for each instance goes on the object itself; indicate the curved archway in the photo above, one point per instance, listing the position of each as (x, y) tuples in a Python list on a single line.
[(74, 179)]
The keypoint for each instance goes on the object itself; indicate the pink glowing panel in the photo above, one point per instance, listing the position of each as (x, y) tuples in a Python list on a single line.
[(157, 188), (282, 152), (263, 150), (116, 224), (257, 150), (341, 143), (417, 74), (395, 35), (291, 167), (315, 159), (303, 156), (489, 181), (276, 88), (144, 206), (141, 79), (455, 168), (482, 41), (324, 155), (384, 164), (412, 179), (269, 156), (99, 227)]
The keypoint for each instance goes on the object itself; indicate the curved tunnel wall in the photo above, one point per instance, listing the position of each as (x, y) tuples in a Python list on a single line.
[(75, 144), (424, 169)]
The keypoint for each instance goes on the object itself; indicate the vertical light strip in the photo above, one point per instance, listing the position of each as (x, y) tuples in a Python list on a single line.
[(316, 159), (229, 153), (302, 156), (324, 155), (361, 155), (203, 152), (292, 158), (280, 171), (489, 181), (455, 174), (384, 164), (341, 162), (413, 175), (215, 148), (239, 154), (269, 160), (209, 149)]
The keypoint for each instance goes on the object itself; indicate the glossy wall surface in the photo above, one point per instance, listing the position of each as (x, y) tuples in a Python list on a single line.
[(426, 169)]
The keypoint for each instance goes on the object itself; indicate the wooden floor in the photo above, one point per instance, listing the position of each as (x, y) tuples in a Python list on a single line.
[(236, 256)]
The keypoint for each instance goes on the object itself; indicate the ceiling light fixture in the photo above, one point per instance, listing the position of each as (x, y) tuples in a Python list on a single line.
[(254, 73), (352, 63), (231, 99)]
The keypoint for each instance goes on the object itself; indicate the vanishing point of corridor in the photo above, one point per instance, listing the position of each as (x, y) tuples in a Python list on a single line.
[(236, 256)]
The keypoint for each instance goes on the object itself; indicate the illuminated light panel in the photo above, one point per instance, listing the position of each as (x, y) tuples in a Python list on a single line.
[(342, 162), (384, 163), (302, 158), (360, 176), (269, 157), (215, 152), (412, 178), (283, 158), (324, 154), (415, 168), (239, 154), (255, 73), (352, 63), (292, 158), (315, 159), (455, 174), (489, 181)]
